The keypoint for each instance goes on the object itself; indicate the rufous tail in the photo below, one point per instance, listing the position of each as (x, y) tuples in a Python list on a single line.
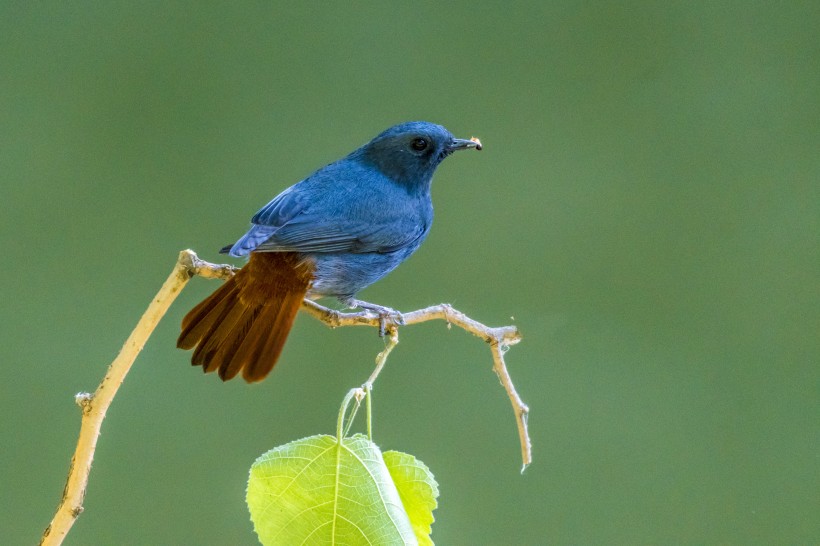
[(244, 324)]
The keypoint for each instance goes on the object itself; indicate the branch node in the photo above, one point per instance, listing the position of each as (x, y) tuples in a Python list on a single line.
[(334, 318), (360, 393), (84, 400), (186, 260)]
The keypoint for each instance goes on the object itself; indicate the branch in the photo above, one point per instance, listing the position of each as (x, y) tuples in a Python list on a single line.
[(500, 339), (94, 406)]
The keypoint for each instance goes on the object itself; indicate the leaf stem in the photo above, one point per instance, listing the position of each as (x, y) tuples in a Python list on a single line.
[(368, 392), (340, 427)]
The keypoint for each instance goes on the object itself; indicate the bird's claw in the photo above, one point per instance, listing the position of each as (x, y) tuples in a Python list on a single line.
[(386, 314), (390, 315)]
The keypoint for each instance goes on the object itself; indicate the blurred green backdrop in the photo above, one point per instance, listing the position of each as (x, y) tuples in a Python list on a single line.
[(646, 208)]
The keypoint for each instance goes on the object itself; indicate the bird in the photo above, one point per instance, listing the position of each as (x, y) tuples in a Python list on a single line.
[(342, 228)]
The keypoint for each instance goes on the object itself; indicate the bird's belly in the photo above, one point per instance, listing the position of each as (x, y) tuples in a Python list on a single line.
[(342, 275)]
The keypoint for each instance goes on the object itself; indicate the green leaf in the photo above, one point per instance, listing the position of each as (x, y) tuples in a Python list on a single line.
[(418, 491), (319, 491)]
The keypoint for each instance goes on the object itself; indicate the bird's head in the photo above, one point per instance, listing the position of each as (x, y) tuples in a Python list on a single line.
[(410, 152)]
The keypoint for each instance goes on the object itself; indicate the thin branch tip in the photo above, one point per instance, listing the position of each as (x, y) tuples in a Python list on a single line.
[(500, 340)]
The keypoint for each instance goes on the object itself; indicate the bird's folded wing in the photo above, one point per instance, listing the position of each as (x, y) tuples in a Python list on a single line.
[(287, 224), (320, 234), (281, 209)]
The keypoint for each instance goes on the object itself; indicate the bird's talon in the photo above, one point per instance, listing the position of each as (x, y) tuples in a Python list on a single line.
[(388, 318)]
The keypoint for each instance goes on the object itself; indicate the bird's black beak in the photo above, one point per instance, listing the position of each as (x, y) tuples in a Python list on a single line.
[(463, 144)]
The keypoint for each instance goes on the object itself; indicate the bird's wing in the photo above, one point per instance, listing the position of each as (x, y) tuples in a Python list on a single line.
[(314, 233), (289, 223), (268, 220)]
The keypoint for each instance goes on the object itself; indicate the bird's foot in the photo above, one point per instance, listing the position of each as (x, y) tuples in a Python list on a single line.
[(386, 314)]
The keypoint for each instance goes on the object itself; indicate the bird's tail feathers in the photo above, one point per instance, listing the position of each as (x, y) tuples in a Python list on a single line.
[(244, 324)]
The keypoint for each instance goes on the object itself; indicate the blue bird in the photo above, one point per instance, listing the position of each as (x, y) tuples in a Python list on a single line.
[(339, 230)]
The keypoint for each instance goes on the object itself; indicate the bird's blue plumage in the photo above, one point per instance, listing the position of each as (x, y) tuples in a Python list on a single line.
[(340, 229), (358, 218)]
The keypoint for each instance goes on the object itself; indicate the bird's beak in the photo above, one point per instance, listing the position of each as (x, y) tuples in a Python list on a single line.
[(463, 144)]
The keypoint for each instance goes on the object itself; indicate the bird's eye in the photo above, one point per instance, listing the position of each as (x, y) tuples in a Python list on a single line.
[(419, 144)]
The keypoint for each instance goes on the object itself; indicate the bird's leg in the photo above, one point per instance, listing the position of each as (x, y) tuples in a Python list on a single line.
[(385, 313)]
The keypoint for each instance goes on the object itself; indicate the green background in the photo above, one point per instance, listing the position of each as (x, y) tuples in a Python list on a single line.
[(646, 210)]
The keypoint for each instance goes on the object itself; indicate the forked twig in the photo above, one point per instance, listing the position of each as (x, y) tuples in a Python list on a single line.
[(95, 405), (499, 339)]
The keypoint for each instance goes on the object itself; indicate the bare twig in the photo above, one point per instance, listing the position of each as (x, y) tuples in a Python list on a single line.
[(381, 358), (499, 339), (94, 406)]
